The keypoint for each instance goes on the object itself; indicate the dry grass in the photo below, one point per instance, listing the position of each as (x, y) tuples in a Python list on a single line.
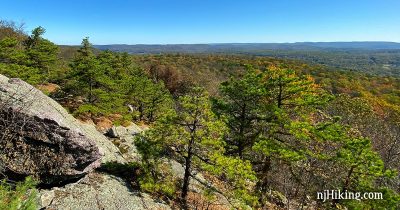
[(48, 88)]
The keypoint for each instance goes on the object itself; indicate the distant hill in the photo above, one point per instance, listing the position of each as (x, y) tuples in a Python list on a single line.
[(249, 47), (378, 58), (353, 45)]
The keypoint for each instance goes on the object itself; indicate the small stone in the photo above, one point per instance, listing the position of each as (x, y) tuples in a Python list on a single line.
[(46, 197)]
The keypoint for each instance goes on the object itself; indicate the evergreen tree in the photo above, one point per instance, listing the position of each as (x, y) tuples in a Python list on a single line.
[(85, 74), (32, 59), (194, 135), (328, 155), (241, 105), (41, 52), (291, 133), (14, 61), (260, 100), (148, 100)]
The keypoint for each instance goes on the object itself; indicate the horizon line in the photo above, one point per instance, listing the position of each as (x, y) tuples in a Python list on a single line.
[(218, 43)]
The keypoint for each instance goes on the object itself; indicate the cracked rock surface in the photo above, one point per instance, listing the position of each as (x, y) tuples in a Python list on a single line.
[(98, 191), (39, 137)]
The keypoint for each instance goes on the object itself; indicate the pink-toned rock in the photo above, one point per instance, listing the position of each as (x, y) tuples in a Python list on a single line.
[(39, 138)]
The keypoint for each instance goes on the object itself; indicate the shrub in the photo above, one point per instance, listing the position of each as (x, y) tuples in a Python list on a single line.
[(21, 196)]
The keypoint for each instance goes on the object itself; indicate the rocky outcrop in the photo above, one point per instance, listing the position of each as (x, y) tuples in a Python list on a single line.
[(123, 138), (98, 191), (38, 137), (110, 152), (121, 131)]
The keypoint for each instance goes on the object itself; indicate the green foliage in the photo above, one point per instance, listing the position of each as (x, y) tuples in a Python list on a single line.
[(238, 173), (211, 69), (89, 110), (241, 105), (149, 99), (85, 75), (119, 169), (32, 59), (263, 100), (157, 177), (282, 111), (22, 196), (361, 169), (145, 176), (193, 135), (12, 51), (42, 54), (108, 83)]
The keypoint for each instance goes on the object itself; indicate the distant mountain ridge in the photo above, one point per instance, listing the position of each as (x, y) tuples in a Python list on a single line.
[(377, 58), (248, 47)]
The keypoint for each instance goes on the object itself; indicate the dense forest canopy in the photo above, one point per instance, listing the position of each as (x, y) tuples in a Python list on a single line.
[(260, 128), (378, 58)]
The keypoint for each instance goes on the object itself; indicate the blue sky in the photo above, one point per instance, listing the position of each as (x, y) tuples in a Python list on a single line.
[(208, 21)]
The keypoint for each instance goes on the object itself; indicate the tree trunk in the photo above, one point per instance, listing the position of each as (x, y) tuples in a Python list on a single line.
[(241, 132), (280, 94), (188, 165), (90, 92), (141, 111), (186, 177)]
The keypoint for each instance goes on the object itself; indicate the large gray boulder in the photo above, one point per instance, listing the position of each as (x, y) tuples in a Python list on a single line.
[(38, 137), (98, 191)]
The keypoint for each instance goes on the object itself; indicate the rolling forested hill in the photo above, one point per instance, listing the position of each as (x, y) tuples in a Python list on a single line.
[(379, 58)]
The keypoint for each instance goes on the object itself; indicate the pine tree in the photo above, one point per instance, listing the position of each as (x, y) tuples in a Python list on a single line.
[(241, 105), (85, 74), (41, 52), (194, 135), (32, 58), (260, 101), (14, 61), (265, 111)]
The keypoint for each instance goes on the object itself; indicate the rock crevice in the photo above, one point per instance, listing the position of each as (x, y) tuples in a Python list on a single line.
[(39, 138)]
